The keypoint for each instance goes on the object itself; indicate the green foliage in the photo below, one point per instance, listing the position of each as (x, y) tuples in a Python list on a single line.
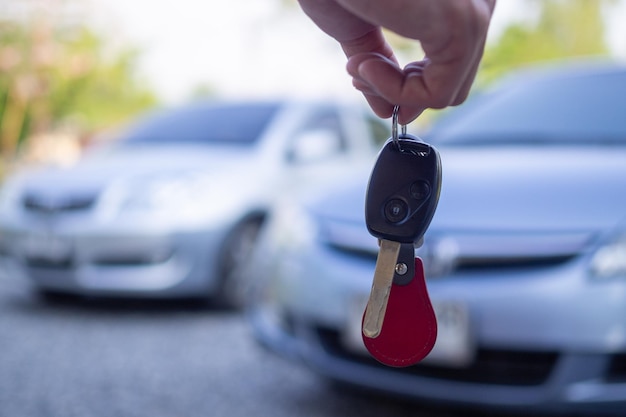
[(54, 73), (98, 92), (564, 29)]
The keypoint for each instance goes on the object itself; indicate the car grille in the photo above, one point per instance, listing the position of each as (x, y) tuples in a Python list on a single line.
[(135, 259), (476, 263), (490, 366), (469, 251), (41, 204), (58, 264), (128, 260), (465, 264)]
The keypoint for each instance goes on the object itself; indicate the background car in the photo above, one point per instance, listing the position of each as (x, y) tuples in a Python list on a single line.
[(525, 257), (173, 207)]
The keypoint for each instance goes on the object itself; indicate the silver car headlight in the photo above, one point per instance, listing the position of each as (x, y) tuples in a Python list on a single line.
[(291, 225), (609, 261), (179, 196), (290, 230)]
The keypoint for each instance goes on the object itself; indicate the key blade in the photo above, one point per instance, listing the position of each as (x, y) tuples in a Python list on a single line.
[(381, 287)]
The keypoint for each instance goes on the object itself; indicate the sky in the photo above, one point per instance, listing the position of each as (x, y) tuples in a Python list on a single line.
[(248, 48)]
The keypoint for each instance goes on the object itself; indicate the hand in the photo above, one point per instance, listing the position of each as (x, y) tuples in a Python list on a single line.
[(452, 34)]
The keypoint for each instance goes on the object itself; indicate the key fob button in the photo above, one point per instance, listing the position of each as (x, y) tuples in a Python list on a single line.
[(420, 190), (396, 210)]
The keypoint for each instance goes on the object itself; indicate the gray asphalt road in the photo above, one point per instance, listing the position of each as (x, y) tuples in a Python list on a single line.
[(93, 358)]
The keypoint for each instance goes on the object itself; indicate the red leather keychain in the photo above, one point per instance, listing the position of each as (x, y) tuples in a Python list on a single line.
[(409, 330)]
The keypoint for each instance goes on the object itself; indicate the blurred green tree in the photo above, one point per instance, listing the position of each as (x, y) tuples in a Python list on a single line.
[(563, 29), (54, 72)]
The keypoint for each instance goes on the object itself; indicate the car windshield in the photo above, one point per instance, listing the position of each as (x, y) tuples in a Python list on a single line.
[(227, 124), (572, 109)]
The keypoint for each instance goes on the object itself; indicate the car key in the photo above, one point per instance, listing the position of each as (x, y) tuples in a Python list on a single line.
[(402, 196)]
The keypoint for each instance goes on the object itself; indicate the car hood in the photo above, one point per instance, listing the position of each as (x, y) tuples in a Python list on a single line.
[(96, 171), (510, 189)]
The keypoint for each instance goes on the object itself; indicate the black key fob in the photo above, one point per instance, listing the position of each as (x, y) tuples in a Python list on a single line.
[(403, 190)]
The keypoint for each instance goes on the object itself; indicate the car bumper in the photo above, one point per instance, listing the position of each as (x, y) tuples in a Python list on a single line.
[(544, 339), (129, 261)]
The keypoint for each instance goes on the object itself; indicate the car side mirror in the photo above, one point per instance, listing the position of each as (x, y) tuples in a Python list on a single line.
[(314, 146)]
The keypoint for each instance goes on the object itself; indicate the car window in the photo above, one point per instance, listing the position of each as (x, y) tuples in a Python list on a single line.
[(230, 124), (325, 123), (569, 109), (329, 121)]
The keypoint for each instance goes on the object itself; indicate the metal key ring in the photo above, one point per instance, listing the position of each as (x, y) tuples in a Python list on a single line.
[(394, 127)]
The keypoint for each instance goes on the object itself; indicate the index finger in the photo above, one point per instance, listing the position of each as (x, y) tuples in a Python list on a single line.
[(436, 86)]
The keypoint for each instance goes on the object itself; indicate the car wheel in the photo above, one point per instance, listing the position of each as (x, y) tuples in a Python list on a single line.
[(234, 260)]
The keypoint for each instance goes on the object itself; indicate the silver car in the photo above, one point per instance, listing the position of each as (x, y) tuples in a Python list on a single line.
[(172, 208), (525, 257)]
